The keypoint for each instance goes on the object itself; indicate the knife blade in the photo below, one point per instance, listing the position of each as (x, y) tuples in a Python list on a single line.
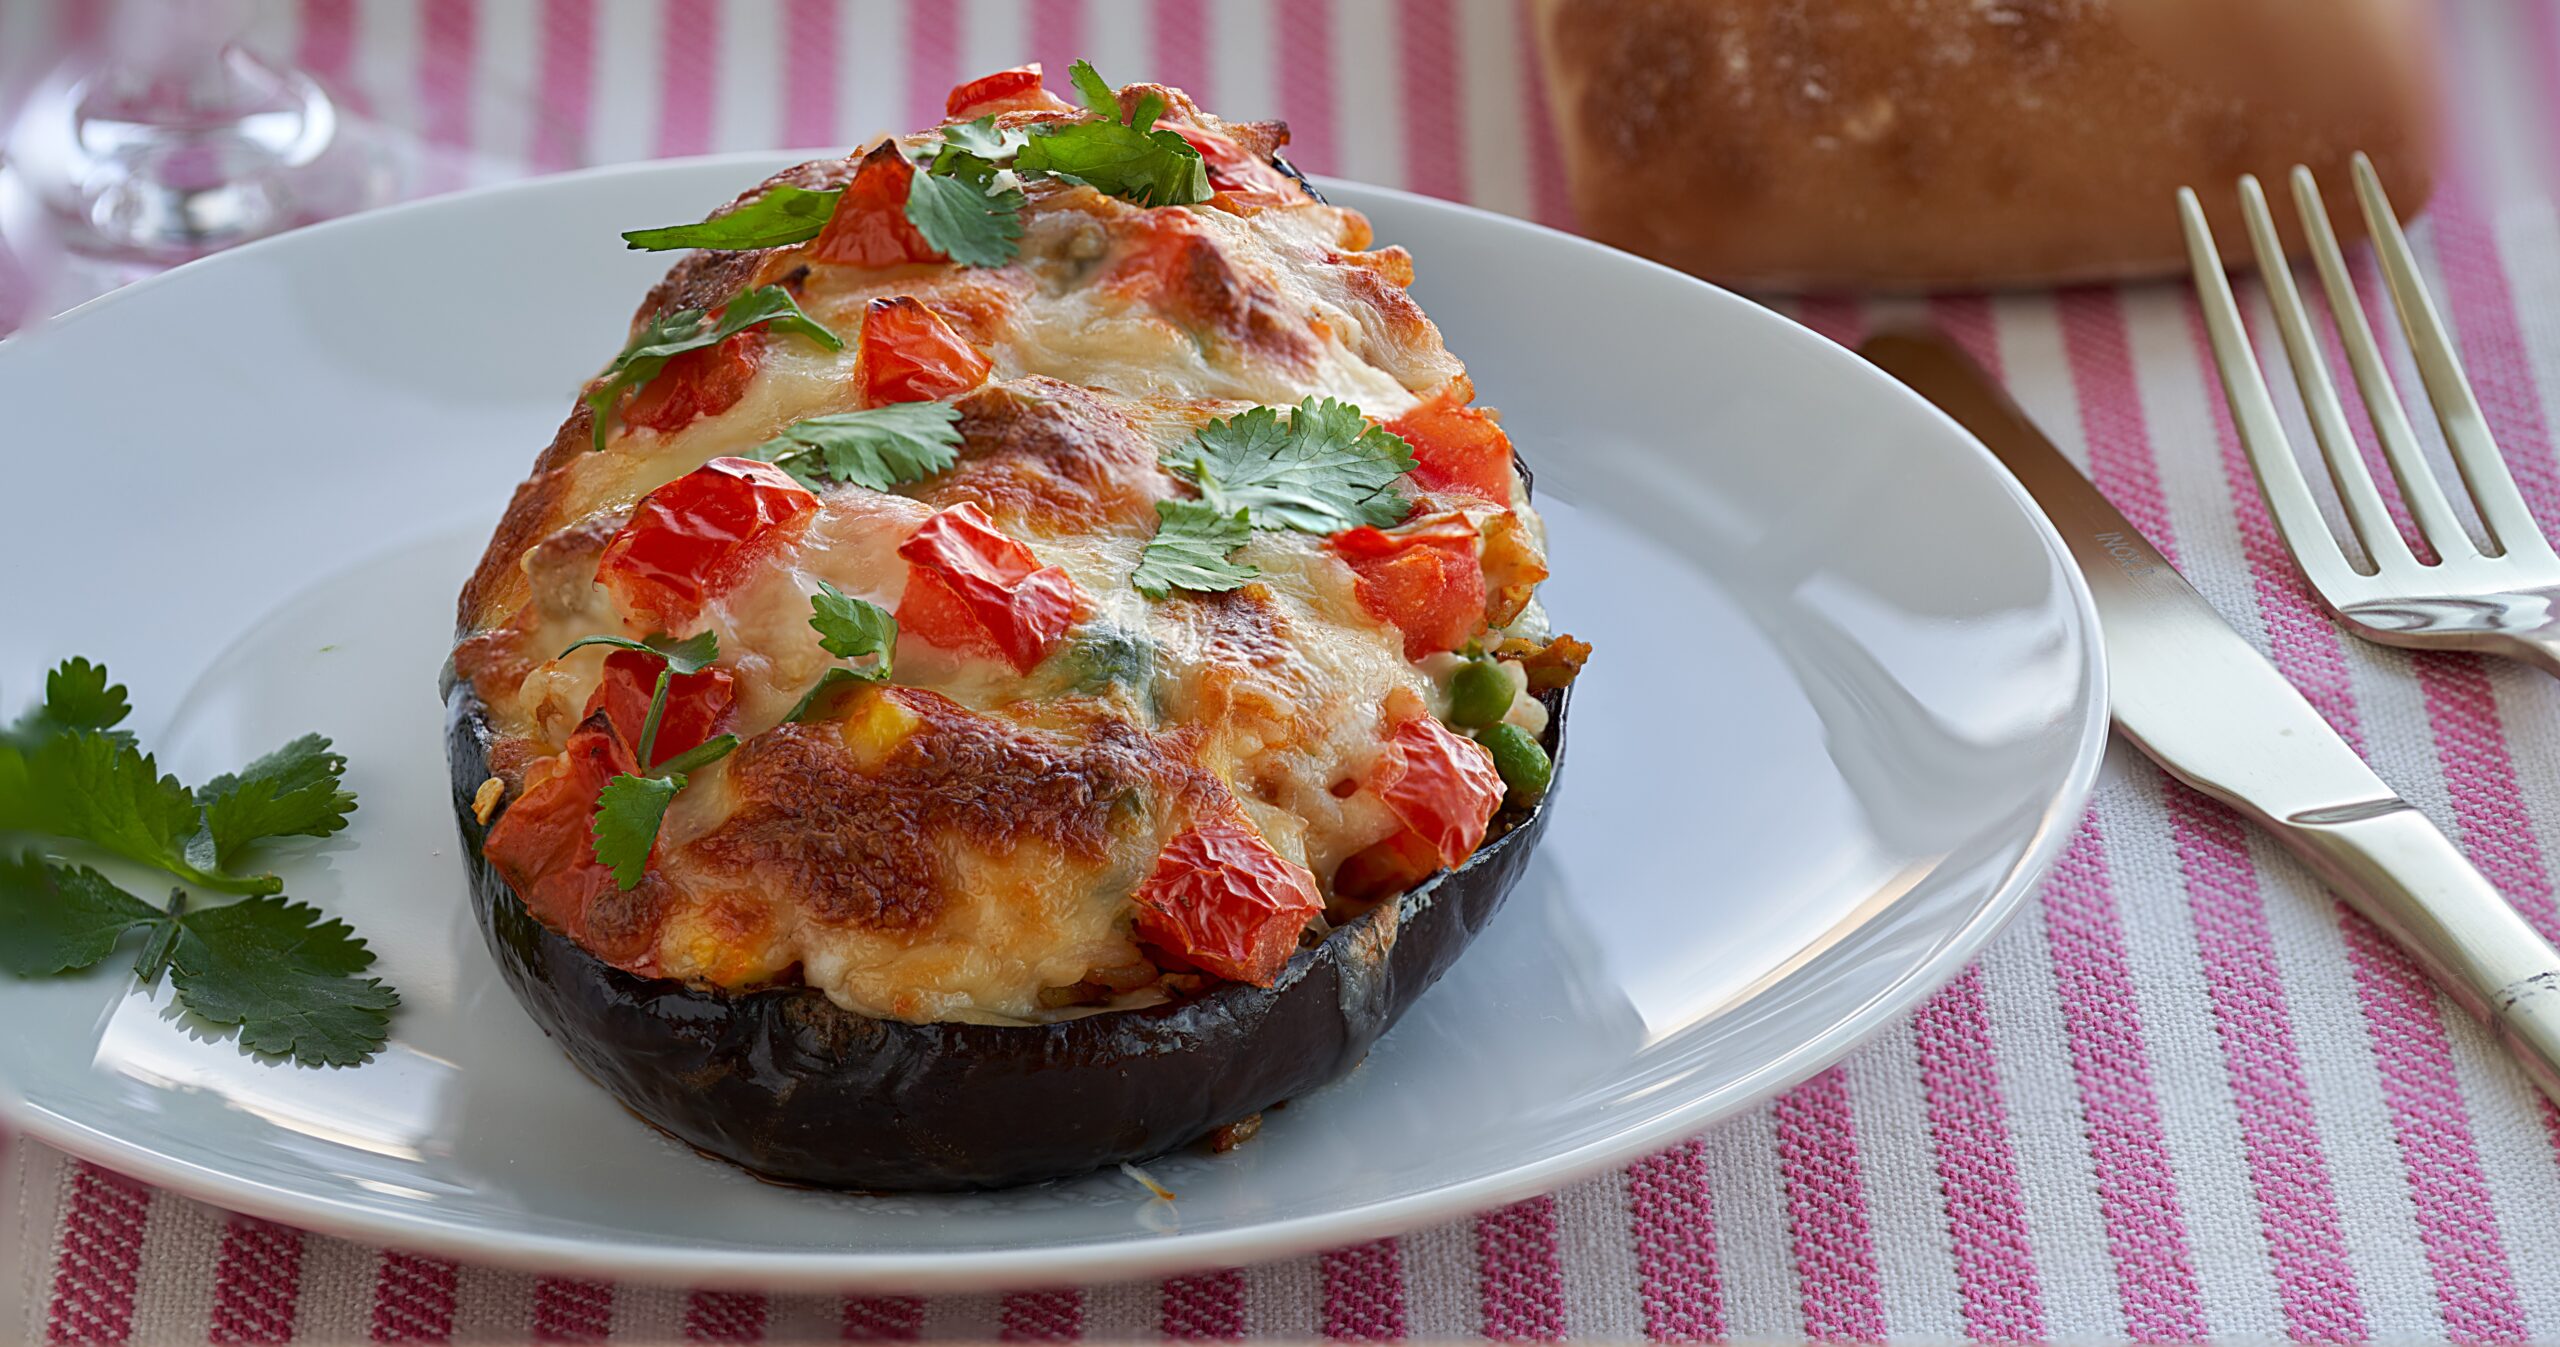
[(2191, 692)]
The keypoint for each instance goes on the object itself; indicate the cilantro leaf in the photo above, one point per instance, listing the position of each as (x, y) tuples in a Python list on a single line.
[(77, 696), (849, 628), (818, 701), (1323, 470), (1129, 160), (1094, 89), (852, 628), (630, 808), (628, 812), (673, 334), (783, 214), (961, 211), (57, 919), (273, 968), (690, 655), (287, 977), (981, 139), (1189, 550), (292, 792), (878, 447), (91, 787)]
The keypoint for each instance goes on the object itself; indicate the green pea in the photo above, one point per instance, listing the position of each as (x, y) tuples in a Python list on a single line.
[(1479, 694), (1524, 766)]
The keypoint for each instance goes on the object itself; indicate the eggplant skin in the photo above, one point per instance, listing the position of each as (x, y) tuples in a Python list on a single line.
[(791, 1086)]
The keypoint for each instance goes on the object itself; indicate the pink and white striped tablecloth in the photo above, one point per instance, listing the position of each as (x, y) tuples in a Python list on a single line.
[(2187, 1095)]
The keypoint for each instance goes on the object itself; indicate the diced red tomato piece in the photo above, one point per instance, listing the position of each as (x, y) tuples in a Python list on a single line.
[(908, 354), (1441, 784), (870, 227), (1221, 900), (1425, 580), (971, 588), (999, 92), (1233, 171), (544, 845), (1457, 448), (695, 384), (689, 540), (698, 704)]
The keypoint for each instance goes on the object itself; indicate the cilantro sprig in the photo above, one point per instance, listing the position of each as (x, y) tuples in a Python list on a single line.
[(1322, 470), (961, 205), (961, 202), (1192, 542), (877, 447), (67, 772), (287, 978), (851, 629), (1128, 159), (632, 805), (672, 335), (781, 214)]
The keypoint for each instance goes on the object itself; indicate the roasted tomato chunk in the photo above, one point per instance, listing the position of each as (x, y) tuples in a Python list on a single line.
[(1457, 448), (1442, 784), (999, 92), (1426, 580), (1222, 901), (908, 354), (870, 227), (698, 704), (696, 384), (971, 588), (544, 845), (689, 540), (1236, 173)]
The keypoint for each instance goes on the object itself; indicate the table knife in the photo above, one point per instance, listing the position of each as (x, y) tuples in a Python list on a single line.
[(2198, 699)]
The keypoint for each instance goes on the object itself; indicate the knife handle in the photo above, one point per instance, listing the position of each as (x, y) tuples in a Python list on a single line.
[(2396, 868)]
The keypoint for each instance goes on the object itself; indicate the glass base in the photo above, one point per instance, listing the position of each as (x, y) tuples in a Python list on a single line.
[(161, 170)]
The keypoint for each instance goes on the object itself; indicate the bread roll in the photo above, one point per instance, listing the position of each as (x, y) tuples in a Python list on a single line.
[(1918, 144)]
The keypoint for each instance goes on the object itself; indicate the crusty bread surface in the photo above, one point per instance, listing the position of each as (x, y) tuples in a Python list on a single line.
[(1928, 144)]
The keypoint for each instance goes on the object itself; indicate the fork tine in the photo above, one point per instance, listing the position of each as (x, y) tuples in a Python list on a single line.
[(2493, 489), (2437, 522), (2280, 478), (2366, 513)]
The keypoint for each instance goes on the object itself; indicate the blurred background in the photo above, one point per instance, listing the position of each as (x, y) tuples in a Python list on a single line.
[(1849, 146), (435, 95)]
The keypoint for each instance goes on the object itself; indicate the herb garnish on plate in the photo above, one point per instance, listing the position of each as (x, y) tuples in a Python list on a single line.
[(290, 980)]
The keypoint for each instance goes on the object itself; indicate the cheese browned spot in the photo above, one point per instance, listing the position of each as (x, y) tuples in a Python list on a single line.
[(1043, 453), (864, 845)]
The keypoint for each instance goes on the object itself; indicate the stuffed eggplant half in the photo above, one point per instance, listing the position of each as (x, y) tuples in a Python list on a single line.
[(1028, 657)]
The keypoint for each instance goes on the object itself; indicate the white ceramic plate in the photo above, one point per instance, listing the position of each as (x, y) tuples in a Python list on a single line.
[(1845, 708)]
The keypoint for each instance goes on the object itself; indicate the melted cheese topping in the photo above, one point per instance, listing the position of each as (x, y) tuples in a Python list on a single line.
[(957, 845)]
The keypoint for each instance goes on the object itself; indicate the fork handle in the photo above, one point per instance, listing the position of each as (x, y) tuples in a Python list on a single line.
[(2539, 647), (2396, 868)]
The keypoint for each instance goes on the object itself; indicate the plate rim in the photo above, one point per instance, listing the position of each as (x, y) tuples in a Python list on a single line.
[(1131, 1258)]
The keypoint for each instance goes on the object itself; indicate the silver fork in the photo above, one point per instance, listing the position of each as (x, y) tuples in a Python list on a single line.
[(2502, 599)]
